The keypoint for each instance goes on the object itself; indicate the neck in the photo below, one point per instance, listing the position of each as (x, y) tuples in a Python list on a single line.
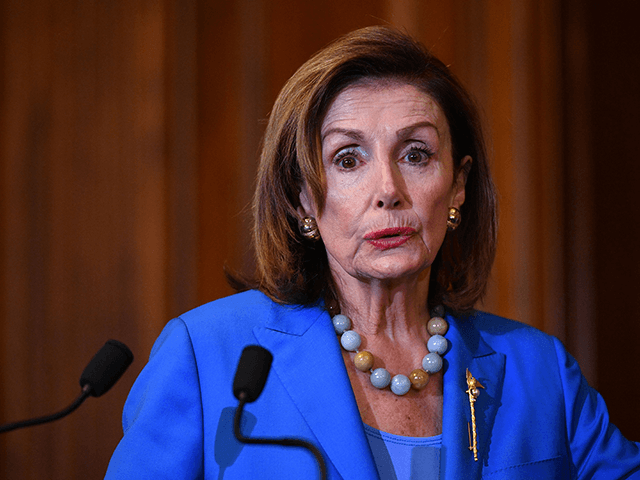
[(394, 309)]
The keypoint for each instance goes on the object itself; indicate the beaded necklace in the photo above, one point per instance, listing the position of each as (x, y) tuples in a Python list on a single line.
[(380, 378)]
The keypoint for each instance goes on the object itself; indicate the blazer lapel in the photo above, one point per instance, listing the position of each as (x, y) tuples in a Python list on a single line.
[(468, 351), (308, 362)]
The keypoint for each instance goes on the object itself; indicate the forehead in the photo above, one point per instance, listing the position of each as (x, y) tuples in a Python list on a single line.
[(383, 103)]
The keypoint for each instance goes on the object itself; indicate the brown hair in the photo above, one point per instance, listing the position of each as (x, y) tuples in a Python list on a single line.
[(291, 269)]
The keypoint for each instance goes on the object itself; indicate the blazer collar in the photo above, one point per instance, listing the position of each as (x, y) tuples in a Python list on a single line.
[(308, 362)]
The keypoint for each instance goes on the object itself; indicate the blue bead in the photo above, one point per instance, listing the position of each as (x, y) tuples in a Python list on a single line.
[(400, 384), (350, 340), (380, 378), (432, 363), (341, 323), (437, 344)]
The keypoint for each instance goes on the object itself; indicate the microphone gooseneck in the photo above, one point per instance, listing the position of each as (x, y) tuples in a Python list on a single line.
[(251, 376), (102, 372)]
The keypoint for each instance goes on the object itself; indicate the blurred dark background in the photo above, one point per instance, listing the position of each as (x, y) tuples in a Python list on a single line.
[(129, 136)]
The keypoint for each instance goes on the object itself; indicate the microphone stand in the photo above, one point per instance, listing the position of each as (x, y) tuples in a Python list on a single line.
[(285, 442), (102, 372), (86, 391)]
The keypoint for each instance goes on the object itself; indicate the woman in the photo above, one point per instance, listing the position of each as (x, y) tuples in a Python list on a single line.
[(375, 231)]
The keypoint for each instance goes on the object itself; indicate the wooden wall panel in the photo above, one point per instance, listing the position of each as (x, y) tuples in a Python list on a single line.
[(579, 190), (222, 154), (181, 151), (97, 193), (614, 122)]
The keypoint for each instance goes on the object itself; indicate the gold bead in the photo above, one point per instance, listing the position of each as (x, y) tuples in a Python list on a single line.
[(437, 326), (419, 378), (363, 361)]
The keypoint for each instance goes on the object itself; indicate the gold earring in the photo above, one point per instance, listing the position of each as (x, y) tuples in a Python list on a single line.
[(309, 228), (454, 219)]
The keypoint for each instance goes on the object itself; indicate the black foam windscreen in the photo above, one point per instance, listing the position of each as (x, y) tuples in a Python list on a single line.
[(252, 372), (106, 367)]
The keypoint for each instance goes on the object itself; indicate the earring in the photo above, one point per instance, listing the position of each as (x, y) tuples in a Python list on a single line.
[(454, 219), (309, 228)]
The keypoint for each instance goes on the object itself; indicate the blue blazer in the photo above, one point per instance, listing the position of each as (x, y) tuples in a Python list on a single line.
[(536, 418)]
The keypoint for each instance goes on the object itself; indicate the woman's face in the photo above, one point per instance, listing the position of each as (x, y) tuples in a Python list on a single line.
[(386, 152)]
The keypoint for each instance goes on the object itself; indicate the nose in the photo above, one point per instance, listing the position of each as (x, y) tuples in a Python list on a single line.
[(390, 191)]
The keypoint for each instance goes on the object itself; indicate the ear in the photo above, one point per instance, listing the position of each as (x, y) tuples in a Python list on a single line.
[(460, 182), (307, 205)]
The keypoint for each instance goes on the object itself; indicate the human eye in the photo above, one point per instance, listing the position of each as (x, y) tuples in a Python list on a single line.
[(347, 158), (417, 154)]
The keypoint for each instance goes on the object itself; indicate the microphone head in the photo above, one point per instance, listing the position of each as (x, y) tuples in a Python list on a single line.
[(106, 367), (252, 372)]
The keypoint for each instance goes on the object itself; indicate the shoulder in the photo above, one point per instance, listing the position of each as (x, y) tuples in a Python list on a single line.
[(245, 304), (233, 320), (529, 355), (509, 336), (532, 360), (243, 310)]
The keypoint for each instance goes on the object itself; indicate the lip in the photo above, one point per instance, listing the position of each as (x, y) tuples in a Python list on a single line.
[(390, 232), (389, 237)]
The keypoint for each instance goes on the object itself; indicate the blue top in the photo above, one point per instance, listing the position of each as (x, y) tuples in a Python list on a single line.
[(404, 458), (536, 418)]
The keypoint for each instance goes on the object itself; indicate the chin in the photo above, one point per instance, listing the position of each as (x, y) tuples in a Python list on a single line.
[(394, 268)]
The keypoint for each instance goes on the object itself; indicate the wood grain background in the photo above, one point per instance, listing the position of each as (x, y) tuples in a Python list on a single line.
[(129, 135)]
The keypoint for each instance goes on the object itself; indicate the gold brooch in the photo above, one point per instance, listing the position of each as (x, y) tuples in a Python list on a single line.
[(473, 392)]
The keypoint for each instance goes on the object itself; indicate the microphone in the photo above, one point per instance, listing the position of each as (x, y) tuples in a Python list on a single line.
[(252, 372), (102, 372), (251, 376), (106, 367)]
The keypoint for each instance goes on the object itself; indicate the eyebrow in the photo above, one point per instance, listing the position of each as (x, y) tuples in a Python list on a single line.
[(354, 134), (407, 131), (359, 136)]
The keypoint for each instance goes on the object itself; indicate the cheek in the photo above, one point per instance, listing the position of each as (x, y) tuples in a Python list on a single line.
[(341, 222), (433, 213), (336, 219), (344, 205)]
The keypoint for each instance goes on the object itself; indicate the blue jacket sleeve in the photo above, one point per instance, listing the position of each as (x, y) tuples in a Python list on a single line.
[(597, 447), (162, 419)]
